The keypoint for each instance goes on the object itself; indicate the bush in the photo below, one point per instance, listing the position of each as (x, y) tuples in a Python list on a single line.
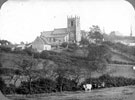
[(19, 51), (64, 84), (64, 44), (29, 51), (38, 86), (45, 85), (9, 90), (23, 89), (2, 84), (72, 46), (5, 49), (120, 62), (111, 81), (36, 55), (44, 54)]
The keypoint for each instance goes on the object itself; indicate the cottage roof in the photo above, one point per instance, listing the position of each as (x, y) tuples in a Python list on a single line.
[(44, 40)]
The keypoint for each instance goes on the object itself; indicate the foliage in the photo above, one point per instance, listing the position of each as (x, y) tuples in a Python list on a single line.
[(84, 41), (98, 52), (5, 49), (47, 85), (64, 44), (9, 90), (26, 64), (2, 84), (72, 46), (64, 84), (98, 56), (7, 71), (18, 51), (36, 55), (44, 54), (4, 42), (121, 62), (41, 85), (44, 85), (121, 47), (1, 69), (110, 81), (23, 89), (29, 51), (0, 65), (95, 33)]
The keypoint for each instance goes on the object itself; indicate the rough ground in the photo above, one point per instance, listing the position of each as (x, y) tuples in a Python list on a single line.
[(116, 93)]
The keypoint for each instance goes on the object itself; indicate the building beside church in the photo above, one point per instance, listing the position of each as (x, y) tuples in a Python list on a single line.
[(49, 39)]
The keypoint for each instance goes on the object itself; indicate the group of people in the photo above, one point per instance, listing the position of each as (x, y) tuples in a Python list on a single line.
[(88, 87)]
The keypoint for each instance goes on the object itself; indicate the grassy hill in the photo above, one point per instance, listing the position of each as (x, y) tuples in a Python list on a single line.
[(121, 70), (124, 69)]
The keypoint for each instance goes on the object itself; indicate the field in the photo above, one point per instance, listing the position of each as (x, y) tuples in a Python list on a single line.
[(116, 93), (121, 70)]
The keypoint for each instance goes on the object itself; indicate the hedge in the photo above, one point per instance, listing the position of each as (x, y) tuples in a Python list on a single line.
[(44, 85), (111, 81)]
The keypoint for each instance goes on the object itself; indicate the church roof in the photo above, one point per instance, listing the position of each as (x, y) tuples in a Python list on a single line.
[(59, 32), (46, 33)]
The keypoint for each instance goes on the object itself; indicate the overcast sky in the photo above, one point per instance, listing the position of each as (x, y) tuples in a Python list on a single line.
[(23, 20)]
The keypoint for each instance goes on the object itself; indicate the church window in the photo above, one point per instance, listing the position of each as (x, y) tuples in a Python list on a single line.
[(71, 23)]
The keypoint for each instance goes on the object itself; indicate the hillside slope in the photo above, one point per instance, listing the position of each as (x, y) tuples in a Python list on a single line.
[(112, 69), (120, 56)]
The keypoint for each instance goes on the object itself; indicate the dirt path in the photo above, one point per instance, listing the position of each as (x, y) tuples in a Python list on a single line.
[(117, 93)]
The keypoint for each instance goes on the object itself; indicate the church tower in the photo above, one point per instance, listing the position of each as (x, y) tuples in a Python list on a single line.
[(73, 28)]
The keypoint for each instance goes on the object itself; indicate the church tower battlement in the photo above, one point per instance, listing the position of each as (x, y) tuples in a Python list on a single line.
[(73, 28)]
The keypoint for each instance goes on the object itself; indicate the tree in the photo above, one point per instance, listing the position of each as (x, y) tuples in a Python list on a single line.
[(63, 72), (79, 74), (4, 42), (84, 41), (98, 56), (26, 64), (72, 46), (64, 44), (95, 34)]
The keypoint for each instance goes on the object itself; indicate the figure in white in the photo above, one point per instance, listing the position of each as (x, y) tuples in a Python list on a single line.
[(87, 87)]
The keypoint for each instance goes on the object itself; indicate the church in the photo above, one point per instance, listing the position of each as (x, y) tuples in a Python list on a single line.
[(49, 39)]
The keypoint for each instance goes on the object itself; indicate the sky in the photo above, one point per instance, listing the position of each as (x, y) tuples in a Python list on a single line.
[(24, 20)]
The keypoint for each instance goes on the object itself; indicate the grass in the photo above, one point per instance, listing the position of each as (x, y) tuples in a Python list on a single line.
[(115, 93), (112, 69), (121, 70)]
